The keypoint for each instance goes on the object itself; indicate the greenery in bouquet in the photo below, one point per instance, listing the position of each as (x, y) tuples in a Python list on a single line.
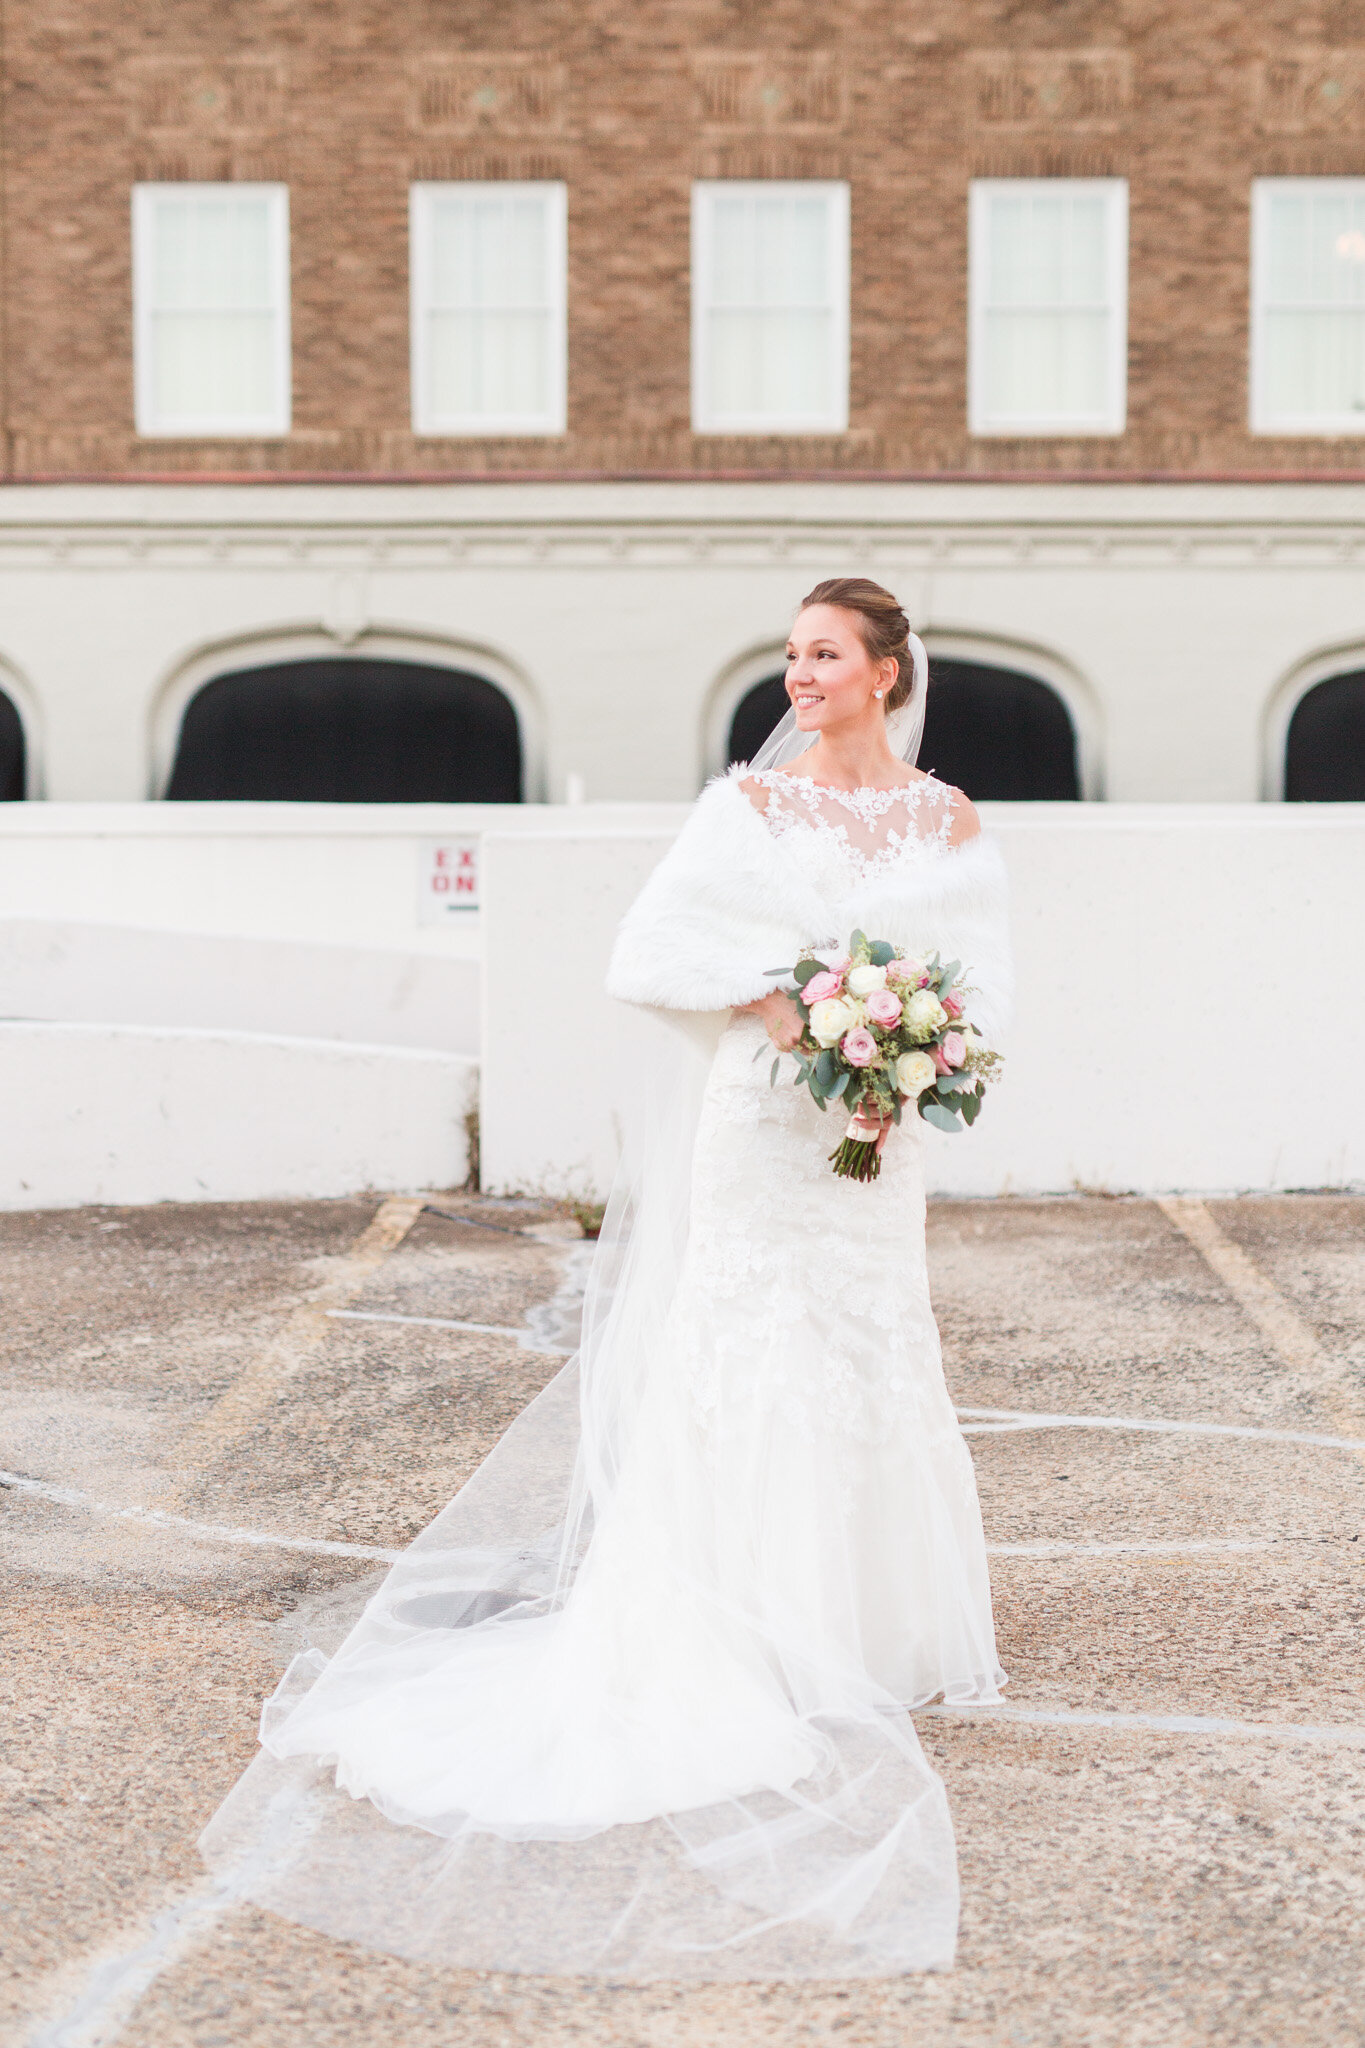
[(881, 1030)]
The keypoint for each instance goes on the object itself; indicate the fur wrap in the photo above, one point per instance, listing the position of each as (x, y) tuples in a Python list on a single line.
[(726, 903)]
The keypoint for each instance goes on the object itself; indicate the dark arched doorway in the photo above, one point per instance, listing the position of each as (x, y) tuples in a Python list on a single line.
[(352, 731), (13, 766), (994, 732), (755, 716), (1324, 759)]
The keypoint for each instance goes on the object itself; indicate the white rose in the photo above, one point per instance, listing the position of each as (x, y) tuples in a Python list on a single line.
[(862, 980), (830, 1019), (914, 1072), (924, 1013)]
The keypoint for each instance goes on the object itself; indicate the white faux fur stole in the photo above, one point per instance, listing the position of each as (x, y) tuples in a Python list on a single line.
[(728, 902)]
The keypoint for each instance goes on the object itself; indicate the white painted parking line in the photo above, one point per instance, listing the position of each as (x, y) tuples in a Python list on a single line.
[(118, 1975), (1282, 1326), (991, 1421), (1346, 1734), (374, 1315), (295, 1344), (1190, 1547), (182, 1525)]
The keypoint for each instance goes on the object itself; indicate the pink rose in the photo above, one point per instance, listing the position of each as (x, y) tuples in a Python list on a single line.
[(883, 1007), (821, 987), (952, 1004), (939, 1057), (954, 1047), (905, 970), (859, 1047), (842, 964)]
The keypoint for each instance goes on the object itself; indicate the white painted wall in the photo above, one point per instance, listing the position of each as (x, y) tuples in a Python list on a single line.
[(122, 974), (130, 1114), (623, 619), (1190, 984), (317, 874)]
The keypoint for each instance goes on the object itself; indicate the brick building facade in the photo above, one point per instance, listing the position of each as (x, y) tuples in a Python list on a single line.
[(1179, 586), (628, 104)]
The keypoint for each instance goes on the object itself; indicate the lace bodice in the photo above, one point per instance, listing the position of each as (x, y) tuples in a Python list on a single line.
[(861, 831)]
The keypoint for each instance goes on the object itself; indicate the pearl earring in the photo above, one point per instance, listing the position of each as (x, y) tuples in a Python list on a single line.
[(876, 693)]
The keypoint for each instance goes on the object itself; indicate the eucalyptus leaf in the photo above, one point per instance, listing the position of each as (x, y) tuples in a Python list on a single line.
[(806, 970), (857, 942), (939, 1115), (971, 1108), (826, 1067), (880, 954), (841, 1082), (772, 1078), (768, 972)]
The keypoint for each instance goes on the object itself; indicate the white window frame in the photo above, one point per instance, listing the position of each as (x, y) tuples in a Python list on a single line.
[(1114, 418), (1261, 419), (554, 418), (834, 420), (148, 424)]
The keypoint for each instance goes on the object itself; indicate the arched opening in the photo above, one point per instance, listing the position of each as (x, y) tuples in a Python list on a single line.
[(349, 729), (994, 732), (755, 715), (13, 766), (1324, 759)]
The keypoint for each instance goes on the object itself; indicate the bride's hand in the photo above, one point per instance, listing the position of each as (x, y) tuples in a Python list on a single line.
[(781, 1019)]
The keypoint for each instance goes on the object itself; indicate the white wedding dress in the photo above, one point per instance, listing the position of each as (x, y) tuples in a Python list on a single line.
[(637, 1702)]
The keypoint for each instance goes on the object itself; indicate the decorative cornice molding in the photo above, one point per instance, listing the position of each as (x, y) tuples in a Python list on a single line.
[(926, 543)]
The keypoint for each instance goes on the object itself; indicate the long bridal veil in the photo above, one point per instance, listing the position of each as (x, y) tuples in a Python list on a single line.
[(581, 1725)]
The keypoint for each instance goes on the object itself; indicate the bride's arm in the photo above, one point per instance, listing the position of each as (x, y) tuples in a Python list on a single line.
[(781, 1019)]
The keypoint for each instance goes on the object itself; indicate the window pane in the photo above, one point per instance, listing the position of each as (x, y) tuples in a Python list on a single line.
[(213, 366), (211, 312), (489, 251), (1314, 364), (1047, 309), (770, 363), (495, 364), (770, 321), (1315, 248), (212, 252), (1047, 249), (1048, 365), (490, 321)]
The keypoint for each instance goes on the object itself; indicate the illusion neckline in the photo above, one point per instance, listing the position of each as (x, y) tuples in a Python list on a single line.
[(861, 789)]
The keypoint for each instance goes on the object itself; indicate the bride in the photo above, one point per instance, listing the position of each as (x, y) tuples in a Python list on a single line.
[(638, 1703)]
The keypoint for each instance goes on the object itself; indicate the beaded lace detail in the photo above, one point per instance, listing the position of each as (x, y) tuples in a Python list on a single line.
[(872, 829)]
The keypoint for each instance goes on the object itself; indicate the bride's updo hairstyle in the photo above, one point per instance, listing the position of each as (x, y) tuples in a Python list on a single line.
[(882, 626)]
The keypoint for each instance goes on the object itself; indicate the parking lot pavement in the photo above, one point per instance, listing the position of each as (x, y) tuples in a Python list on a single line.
[(217, 1419)]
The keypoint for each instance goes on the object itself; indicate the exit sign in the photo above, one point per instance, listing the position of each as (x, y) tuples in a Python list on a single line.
[(447, 879)]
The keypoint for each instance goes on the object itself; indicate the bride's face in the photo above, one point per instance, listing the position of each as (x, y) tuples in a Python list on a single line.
[(830, 674)]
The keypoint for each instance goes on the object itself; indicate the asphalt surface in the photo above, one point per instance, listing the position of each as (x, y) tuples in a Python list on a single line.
[(205, 1438)]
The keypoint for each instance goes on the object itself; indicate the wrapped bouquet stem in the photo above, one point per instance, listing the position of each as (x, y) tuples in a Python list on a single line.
[(879, 1031)]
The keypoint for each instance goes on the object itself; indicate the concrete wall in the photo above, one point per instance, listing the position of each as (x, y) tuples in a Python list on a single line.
[(121, 974), (1179, 621), (123, 1114), (1190, 985)]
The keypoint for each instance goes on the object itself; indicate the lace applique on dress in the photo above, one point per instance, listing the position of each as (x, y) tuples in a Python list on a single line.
[(873, 829)]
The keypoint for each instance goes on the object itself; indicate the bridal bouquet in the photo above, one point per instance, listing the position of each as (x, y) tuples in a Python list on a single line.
[(881, 1030)]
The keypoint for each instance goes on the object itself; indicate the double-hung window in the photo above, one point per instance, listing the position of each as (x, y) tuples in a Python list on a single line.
[(488, 266), (769, 308), (211, 309), (1308, 306), (1048, 342)]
